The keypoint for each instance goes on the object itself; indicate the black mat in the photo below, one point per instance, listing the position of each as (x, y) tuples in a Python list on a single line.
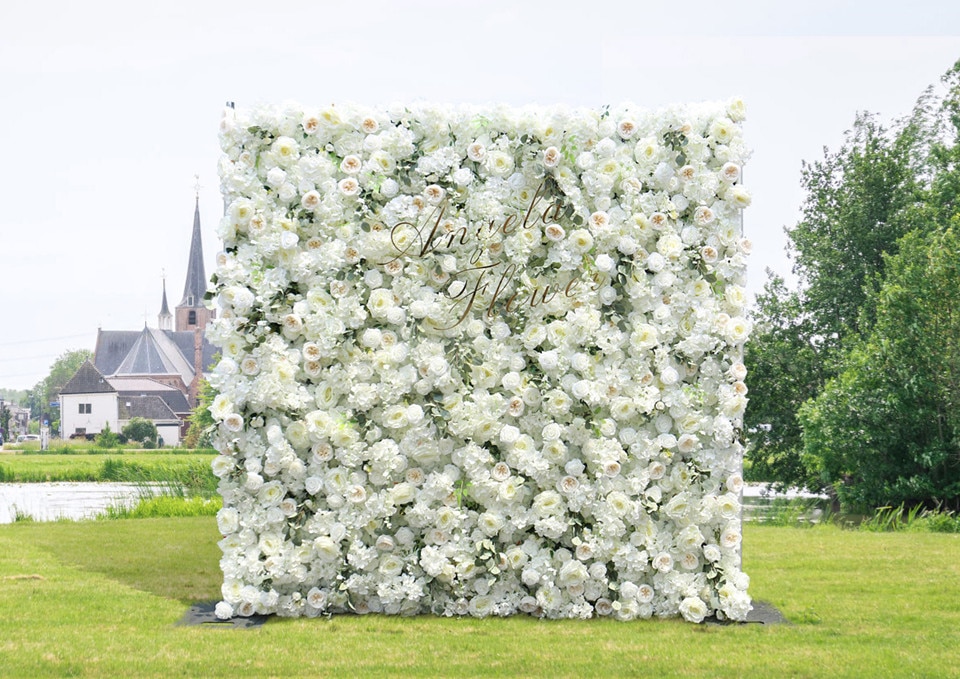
[(762, 613), (203, 614)]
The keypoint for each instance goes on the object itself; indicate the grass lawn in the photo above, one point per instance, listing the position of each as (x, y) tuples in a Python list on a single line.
[(192, 469), (102, 598)]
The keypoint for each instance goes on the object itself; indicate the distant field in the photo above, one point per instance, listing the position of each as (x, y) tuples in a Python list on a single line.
[(191, 469)]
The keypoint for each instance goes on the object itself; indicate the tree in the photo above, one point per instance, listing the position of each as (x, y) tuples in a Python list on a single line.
[(785, 366), (47, 390), (201, 421), (884, 182), (140, 429), (886, 431), (852, 215)]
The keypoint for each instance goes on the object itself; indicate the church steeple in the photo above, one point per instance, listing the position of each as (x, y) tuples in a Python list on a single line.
[(190, 312), (196, 284), (165, 318)]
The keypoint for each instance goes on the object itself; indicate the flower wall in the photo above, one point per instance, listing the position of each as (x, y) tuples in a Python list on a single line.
[(482, 361)]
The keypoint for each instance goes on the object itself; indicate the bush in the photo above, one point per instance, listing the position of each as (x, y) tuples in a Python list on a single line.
[(107, 438), (140, 429)]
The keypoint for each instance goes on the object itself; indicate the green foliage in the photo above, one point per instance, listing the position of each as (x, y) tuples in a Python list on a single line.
[(166, 506), (786, 367), (200, 433), (853, 375), (47, 390), (887, 429), (140, 429), (106, 438), (186, 470), (914, 519)]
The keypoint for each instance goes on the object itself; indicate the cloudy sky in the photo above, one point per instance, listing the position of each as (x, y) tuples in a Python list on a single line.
[(109, 109)]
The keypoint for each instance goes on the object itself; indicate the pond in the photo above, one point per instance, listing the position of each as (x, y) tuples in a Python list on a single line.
[(53, 501), (63, 500)]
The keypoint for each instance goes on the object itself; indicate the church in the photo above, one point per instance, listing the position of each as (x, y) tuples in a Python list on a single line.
[(152, 373)]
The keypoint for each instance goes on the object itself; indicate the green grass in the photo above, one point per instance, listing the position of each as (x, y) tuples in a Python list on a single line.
[(192, 471), (102, 599), (166, 505)]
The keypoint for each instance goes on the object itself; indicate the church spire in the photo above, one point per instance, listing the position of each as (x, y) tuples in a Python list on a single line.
[(196, 284), (165, 318), (191, 313)]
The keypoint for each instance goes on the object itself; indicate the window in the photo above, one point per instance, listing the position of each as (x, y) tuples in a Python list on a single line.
[(85, 408), (192, 318)]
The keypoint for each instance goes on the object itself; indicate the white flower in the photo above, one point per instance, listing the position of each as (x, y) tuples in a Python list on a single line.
[(351, 164), (581, 240), (228, 520), (626, 128), (434, 194), (604, 262), (554, 232), (349, 186), (310, 200), (739, 197), (730, 172), (476, 151), (233, 422), (693, 609), (551, 156), (498, 163), (509, 434)]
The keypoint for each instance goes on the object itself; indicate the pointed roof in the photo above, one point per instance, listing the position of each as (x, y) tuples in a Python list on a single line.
[(113, 346), (196, 285), (87, 380), (151, 355), (164, 309)]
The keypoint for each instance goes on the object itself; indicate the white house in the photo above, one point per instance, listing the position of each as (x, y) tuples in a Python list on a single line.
[(90, 401)]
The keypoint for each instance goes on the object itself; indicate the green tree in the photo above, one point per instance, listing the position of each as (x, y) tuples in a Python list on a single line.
[(785, 368), (199, 435), (887, 429), (140, 429), (884, 182), (47, 390)]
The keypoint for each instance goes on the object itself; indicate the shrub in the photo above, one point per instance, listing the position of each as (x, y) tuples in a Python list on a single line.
[(140, 429), (107, 438)]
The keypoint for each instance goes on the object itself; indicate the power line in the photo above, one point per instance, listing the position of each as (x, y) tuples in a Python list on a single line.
[(48, 339), (26, 358)]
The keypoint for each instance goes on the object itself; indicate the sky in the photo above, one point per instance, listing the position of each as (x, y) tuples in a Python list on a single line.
[(108, 110)]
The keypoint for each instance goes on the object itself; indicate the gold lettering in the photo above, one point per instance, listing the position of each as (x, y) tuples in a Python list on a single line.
[(502, 284), (571, 289)]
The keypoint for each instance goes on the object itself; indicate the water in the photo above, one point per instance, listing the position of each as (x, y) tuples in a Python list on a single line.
[(65, 500), (53, 501), (760, 501)]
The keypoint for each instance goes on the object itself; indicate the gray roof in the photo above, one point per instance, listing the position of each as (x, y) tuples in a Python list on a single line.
[(87, 380), (195, 286), (131, 386), (146, 357), (150, 407), (113, 346)]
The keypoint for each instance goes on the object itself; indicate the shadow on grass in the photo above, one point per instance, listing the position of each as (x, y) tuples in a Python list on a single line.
[(176, 560)]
